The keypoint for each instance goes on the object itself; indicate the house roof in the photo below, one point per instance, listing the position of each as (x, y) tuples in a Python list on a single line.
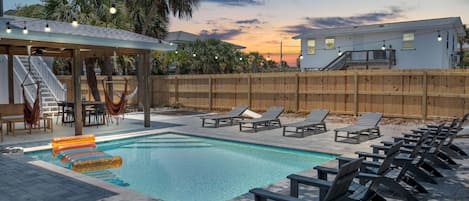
[(440, 23), (64, 32), (184, 37)]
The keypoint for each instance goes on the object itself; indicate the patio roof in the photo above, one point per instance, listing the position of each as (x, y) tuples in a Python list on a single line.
[(84, 36)]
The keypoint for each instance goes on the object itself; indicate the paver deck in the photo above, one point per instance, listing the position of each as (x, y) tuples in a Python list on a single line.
[(455, 186)]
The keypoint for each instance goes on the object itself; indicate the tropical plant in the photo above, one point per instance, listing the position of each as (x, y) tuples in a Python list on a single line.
[(462, 54), (34, 11)]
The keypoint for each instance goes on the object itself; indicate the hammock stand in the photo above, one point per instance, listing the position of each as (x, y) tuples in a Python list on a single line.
[(115, 109)]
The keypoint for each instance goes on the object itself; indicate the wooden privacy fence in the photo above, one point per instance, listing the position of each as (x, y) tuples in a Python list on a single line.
[(396, 93)]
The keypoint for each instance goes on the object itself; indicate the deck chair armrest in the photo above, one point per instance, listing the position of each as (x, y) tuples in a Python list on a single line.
[(374, 164), (343, 160), (310, 181), (328, 170), (411, 135), (370, 155), (259, 192), (406, 140), (402, 158), (387, 143), (379, 148), (368, 176)]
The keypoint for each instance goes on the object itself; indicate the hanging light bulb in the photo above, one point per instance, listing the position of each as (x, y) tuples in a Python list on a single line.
[(171, 44), (439, 36), (216, 57), (194, 55), (8, 30), (384, 45), (74, 22), (47, 28), (25, 29), (240, 58), (113, 9), (301, 56), (339, 52), (176, 52)]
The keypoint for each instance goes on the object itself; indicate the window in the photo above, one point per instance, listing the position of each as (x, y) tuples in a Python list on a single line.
[(311, 46), (408, 40), (330, 43)]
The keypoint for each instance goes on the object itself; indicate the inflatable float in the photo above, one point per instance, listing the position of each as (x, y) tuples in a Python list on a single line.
[(79, 153)]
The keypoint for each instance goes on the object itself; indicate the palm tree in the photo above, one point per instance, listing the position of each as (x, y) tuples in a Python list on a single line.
[(463, 40)]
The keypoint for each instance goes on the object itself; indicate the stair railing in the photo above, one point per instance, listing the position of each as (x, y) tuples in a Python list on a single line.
[(57, 89), (21, 72)]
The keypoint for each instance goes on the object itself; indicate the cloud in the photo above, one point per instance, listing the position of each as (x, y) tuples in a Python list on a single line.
[(337, 21), (251, 21), (221, 35), (237, 2)]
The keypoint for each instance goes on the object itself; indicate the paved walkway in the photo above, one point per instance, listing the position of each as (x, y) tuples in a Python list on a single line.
[(453, 187)]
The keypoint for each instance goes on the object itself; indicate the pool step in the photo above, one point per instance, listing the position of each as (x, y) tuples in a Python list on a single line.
[(151, 141), (169, 136), (167, 145), (108, 176)]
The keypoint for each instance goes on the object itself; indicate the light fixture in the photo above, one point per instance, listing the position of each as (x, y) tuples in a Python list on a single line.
[(301, 56), (194, 55), (25, 29), (439, 36), (384, 45), (339, 52), (176, 52), (47, 28), (240, 58), (113, 9), (216, 57), (171, 44), (8, 30), (74, 22)]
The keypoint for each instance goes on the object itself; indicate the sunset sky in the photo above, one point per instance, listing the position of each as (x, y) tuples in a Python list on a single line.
[(260, 25)]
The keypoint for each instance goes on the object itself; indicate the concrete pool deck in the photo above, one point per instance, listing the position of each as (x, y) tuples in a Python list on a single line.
[(454, 186)]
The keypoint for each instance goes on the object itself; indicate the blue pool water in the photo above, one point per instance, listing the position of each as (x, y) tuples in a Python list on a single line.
[(177, 167)]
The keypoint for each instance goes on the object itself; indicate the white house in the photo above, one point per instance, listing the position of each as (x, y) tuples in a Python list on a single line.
[(407, 45)]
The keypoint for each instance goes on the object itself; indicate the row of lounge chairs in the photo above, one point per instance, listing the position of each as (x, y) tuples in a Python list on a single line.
[(367, 123), (399, 166)]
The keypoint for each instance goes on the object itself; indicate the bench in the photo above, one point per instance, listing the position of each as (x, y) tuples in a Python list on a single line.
[(10, 114)]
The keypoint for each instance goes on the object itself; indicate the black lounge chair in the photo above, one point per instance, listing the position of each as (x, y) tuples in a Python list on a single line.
[(268, 119), (236, 112), (367, 123), (314, 120), (330, 190)]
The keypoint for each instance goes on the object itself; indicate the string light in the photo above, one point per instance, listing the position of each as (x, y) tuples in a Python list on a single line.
[(25, 29), (8, 30), (384, 45), (176, 52), (47, 28), (74, 22), (241, 58), (216, 57), (339, 52), (301, 56), (194, 55), (113, 9), (439, 36)]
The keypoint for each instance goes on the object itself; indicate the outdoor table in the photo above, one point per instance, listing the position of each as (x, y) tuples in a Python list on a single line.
[(84, 105)]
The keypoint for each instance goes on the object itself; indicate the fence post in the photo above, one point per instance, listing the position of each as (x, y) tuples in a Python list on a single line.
[(424, 95), (176, 89), (210, 91), (250, 91), (297, 92), (355, 93)]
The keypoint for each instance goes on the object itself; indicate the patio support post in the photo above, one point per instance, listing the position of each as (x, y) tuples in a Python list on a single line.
[(76, 80), (146, 86), (11, 84)]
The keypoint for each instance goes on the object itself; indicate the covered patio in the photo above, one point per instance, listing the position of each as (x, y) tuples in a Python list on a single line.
[(77, 41)]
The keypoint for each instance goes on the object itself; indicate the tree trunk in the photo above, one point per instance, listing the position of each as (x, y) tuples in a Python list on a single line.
[(107, 70), (149, 17), (91, 78)]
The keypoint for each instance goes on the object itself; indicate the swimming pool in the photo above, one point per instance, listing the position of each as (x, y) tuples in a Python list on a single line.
[(177, 167)]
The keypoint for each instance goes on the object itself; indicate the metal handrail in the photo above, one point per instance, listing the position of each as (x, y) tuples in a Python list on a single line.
[(48, 77), (363, 57)]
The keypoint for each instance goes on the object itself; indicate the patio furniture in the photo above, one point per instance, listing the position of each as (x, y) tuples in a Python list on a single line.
[(236, 112), (375, 171), (314, 121), (330, 190), (268, 119), (367, 123)]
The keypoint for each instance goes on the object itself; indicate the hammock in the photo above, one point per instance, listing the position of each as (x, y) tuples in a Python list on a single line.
[(31, 114), (115, 108)]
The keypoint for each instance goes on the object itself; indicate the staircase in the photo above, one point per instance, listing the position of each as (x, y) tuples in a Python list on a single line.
[(50, 88), (363, 59)]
